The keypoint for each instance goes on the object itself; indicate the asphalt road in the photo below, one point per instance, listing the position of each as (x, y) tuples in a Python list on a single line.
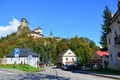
[(69, 75), (48, 74)]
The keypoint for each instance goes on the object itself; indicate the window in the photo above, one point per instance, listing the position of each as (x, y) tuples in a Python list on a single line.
[(66, 59), (119, 28), (115, 32), (111, 56), (69, 53), (19, 58), (11, 59), (72, 59), (109, 41)]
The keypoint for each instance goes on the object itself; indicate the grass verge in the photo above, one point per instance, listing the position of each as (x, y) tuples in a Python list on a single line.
[(22, 67)]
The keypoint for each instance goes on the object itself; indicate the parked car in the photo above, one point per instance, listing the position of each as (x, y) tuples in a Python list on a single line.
[(65, 67), (72, 67), (69, 67)]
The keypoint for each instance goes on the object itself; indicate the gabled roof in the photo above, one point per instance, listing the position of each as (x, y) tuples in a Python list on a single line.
[(38, 28), (37, 33), (102, 53), (115, 16), (63, 53), (24, 19), (24, 52)]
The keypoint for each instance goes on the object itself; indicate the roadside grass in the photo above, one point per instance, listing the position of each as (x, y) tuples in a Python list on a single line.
[(26, 68), (105, 71)]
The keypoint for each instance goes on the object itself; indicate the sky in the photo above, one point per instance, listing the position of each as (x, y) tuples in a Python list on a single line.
[(65, 18)]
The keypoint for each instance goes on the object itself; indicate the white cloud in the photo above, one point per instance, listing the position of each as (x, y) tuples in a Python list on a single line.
[(8, 29)]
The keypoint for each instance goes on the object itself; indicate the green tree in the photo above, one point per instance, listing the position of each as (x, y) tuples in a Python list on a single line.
[(80, 46), (93, 47), (49, 49), (105, 27)]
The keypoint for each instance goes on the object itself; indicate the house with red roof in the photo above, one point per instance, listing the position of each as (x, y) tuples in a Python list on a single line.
[(97, 58)]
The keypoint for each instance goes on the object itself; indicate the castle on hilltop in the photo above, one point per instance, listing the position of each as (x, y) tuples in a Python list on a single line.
[(36, 34), (24, 28)]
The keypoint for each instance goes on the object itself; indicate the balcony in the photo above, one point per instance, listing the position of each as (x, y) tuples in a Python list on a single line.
[(117, 40)]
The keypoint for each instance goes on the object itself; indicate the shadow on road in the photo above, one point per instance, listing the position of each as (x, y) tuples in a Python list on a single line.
[(33, 76)]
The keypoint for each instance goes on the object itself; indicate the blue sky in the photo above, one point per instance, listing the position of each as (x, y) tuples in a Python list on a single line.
[(65, 18)]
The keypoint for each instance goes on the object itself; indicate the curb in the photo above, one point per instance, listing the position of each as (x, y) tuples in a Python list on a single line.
[(100, 74), (107, 76)]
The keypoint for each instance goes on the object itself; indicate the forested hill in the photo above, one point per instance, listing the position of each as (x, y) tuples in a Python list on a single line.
[(49, 48)]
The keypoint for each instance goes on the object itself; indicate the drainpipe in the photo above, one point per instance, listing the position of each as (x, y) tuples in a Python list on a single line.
[(115, 54)]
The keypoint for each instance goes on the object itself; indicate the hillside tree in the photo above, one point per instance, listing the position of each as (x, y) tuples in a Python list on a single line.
[(105, 27)]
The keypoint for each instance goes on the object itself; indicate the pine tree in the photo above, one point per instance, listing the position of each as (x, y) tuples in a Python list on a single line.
[(105, 27)]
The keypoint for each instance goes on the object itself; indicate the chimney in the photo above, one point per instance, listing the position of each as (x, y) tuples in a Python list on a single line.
[(118, 4)]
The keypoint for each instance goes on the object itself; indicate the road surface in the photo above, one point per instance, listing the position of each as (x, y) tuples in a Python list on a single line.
[(49, 74)]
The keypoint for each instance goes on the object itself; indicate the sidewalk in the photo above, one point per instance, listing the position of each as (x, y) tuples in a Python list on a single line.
[(98, 74)]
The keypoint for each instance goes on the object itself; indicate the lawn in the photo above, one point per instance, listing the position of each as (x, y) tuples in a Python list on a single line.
[(22, 67)]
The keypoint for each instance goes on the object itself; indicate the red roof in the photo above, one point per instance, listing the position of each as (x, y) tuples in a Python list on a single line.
[(102, 53)]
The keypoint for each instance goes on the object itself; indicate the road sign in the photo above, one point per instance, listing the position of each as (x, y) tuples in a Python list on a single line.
[(17, 52)]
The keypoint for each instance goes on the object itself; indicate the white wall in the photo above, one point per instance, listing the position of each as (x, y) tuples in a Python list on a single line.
[(38, 31), (70, 55), (113, 49), (69, 59), (32, 62)]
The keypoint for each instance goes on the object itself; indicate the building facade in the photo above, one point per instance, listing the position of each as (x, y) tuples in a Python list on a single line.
[(37, 33), (113, 40), (24, 28), (67, 57), (23, 56), (100, 59)]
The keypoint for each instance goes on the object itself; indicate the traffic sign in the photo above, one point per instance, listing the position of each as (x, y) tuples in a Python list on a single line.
[(17, 52)]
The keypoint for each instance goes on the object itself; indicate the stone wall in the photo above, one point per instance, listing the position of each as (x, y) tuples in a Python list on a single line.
[(3, 61)]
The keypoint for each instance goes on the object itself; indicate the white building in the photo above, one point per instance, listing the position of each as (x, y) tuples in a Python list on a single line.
[(24, 56), (113, 40), (67, 57), (37, 33)]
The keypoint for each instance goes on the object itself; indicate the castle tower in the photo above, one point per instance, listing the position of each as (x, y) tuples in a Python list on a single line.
[(51, 34), (24, 22), (23, 28)]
